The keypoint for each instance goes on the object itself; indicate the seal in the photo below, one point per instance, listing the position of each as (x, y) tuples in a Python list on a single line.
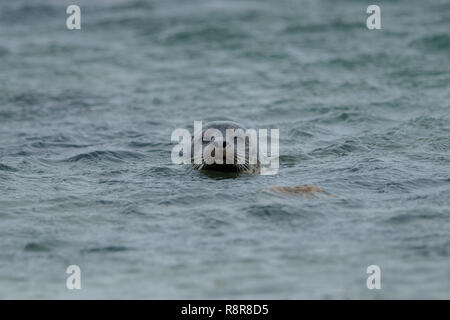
[(236, 149)]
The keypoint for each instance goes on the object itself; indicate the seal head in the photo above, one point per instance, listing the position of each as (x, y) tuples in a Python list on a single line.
[(225, 147)]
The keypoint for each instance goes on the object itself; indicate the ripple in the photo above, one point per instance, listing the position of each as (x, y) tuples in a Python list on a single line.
[(289, 161), (276, 212), (28, 12), (135, 4), (45, 145), (207, 34), (294, 133), (320, 27), (4, 167), (108, 249), (340, 149), (427, 250), (105, 155), (440, 42), (36, 247), (406, 218), (139, 144), (4, 51)]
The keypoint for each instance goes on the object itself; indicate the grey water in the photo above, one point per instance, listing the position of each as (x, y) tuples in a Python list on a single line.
[(86, 176)]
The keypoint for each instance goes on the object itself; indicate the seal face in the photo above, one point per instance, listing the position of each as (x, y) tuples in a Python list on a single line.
[(225, 147)]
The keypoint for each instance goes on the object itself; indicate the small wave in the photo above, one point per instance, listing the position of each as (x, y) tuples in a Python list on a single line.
[(4, 51), (442, 249), (161, 171), (104, 155), (27, 99), (4, 167), (142, 24), (28, 12), (427, 122), (139, 144), (406, 218), (45, 145), (137, 4), (340, 149), (133, 211), (207, 34), (440, 42), (361, 60), (36, 247), (349, 116), (108, 249), (294, 133), (52, 138), (289, 161), (321, 27), (275, 212)]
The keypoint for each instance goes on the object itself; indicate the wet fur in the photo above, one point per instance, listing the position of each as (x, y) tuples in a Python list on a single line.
[(237, 167)]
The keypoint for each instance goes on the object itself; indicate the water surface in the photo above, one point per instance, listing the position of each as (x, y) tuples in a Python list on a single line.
[(85, 170)]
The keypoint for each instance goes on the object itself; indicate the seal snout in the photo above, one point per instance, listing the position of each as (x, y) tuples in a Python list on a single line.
[(221, 145)]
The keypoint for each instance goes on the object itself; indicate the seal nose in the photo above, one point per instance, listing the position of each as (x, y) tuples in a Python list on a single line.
[(220, 144)]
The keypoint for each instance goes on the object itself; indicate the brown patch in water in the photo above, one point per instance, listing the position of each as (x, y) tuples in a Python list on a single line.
[(304, 190)]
